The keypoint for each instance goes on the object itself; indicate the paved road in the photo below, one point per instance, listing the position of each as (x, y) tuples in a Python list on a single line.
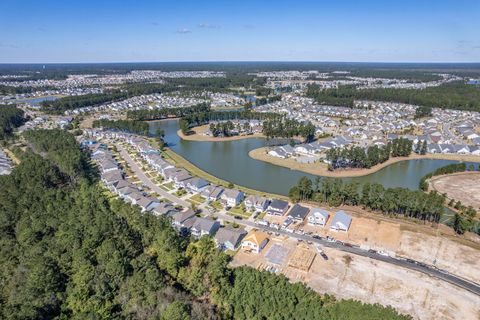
[(409, 264), (147, 181)]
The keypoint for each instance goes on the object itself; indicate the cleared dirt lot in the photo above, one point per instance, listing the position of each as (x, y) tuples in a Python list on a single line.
[(464, 187), (348, 276), (422, 243)]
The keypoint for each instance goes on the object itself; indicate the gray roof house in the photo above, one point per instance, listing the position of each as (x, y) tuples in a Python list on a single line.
[(196, 185), (148, 203), (228, 238), (232, 197), (212, 192), (298, 212), (277, 207), (164, 208), (256, 203), (202, 227), (318, 217), (179, 218), (341, 221)]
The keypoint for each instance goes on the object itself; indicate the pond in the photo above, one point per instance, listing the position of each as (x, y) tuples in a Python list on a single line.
[(229, 160)]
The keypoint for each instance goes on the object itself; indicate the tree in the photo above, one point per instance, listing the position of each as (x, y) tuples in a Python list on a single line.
[(458, 223), (177, 310), (423, 150), (184, 126)]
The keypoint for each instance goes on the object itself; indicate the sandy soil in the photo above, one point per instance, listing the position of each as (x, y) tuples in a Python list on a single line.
[(463, 187), (321, 169), (404, 238), (199, 136), (348, 276)]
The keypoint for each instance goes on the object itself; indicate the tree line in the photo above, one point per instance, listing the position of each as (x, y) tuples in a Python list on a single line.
[(464, 217), (62, 149), (358, 157), (87, 100), (455, 95), (391, 201), (72, 252), (274, 125), (10, 118), (164, 113), (132, 126), (288, 128), (448, 169)]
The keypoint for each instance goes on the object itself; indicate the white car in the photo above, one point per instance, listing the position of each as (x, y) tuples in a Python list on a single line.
[(383, 253)]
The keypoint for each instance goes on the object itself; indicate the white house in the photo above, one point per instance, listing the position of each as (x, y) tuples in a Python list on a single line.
[(318, 217), (232, 197), (341, 221)]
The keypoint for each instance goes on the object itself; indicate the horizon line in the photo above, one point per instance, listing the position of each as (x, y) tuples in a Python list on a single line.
[(244, 61)]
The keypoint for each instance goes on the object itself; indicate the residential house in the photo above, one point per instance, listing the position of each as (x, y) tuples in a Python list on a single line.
[(256, 203), (232, 197), (165, 209), (203, 226), (277, 207), (318, 217), (212, 192), (341, 221), (229, 238), (255, 241), (179, 219), (196, 185), (298, 213), (147, 203)]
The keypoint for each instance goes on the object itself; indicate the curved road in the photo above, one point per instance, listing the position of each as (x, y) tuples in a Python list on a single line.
[(406, 263)]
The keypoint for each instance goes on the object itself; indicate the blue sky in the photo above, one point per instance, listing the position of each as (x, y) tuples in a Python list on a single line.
[(126, 31)]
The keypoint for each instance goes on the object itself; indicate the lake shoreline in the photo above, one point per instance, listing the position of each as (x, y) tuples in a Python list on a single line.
[(321, 169)]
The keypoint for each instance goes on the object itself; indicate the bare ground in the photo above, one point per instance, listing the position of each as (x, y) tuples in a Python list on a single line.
[(463, 187), (348, 276)]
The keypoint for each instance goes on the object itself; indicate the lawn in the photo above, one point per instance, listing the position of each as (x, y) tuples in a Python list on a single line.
[(261, 215), (198, 198), (238, 211), (169, 186), (216, 205), (180, 193)]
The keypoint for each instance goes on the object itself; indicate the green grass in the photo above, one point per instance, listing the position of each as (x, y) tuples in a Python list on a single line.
[(198, 198), (180, 193), (216, 205), (237, 211), (169, 186), (178, 161), (261, 215)]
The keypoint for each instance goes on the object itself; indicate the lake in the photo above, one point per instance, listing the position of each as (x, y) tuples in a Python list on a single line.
[(229, 161)]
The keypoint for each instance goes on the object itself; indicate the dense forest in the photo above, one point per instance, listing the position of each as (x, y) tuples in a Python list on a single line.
[(132, 126), (456, 95), (358, 157), (10, 118), (288, 128), (391, 201), (62, 149), (69, 251)]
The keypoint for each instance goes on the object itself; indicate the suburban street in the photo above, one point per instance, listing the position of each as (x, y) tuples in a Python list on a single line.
[(222, 215), (409, 264), (147, 181)]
